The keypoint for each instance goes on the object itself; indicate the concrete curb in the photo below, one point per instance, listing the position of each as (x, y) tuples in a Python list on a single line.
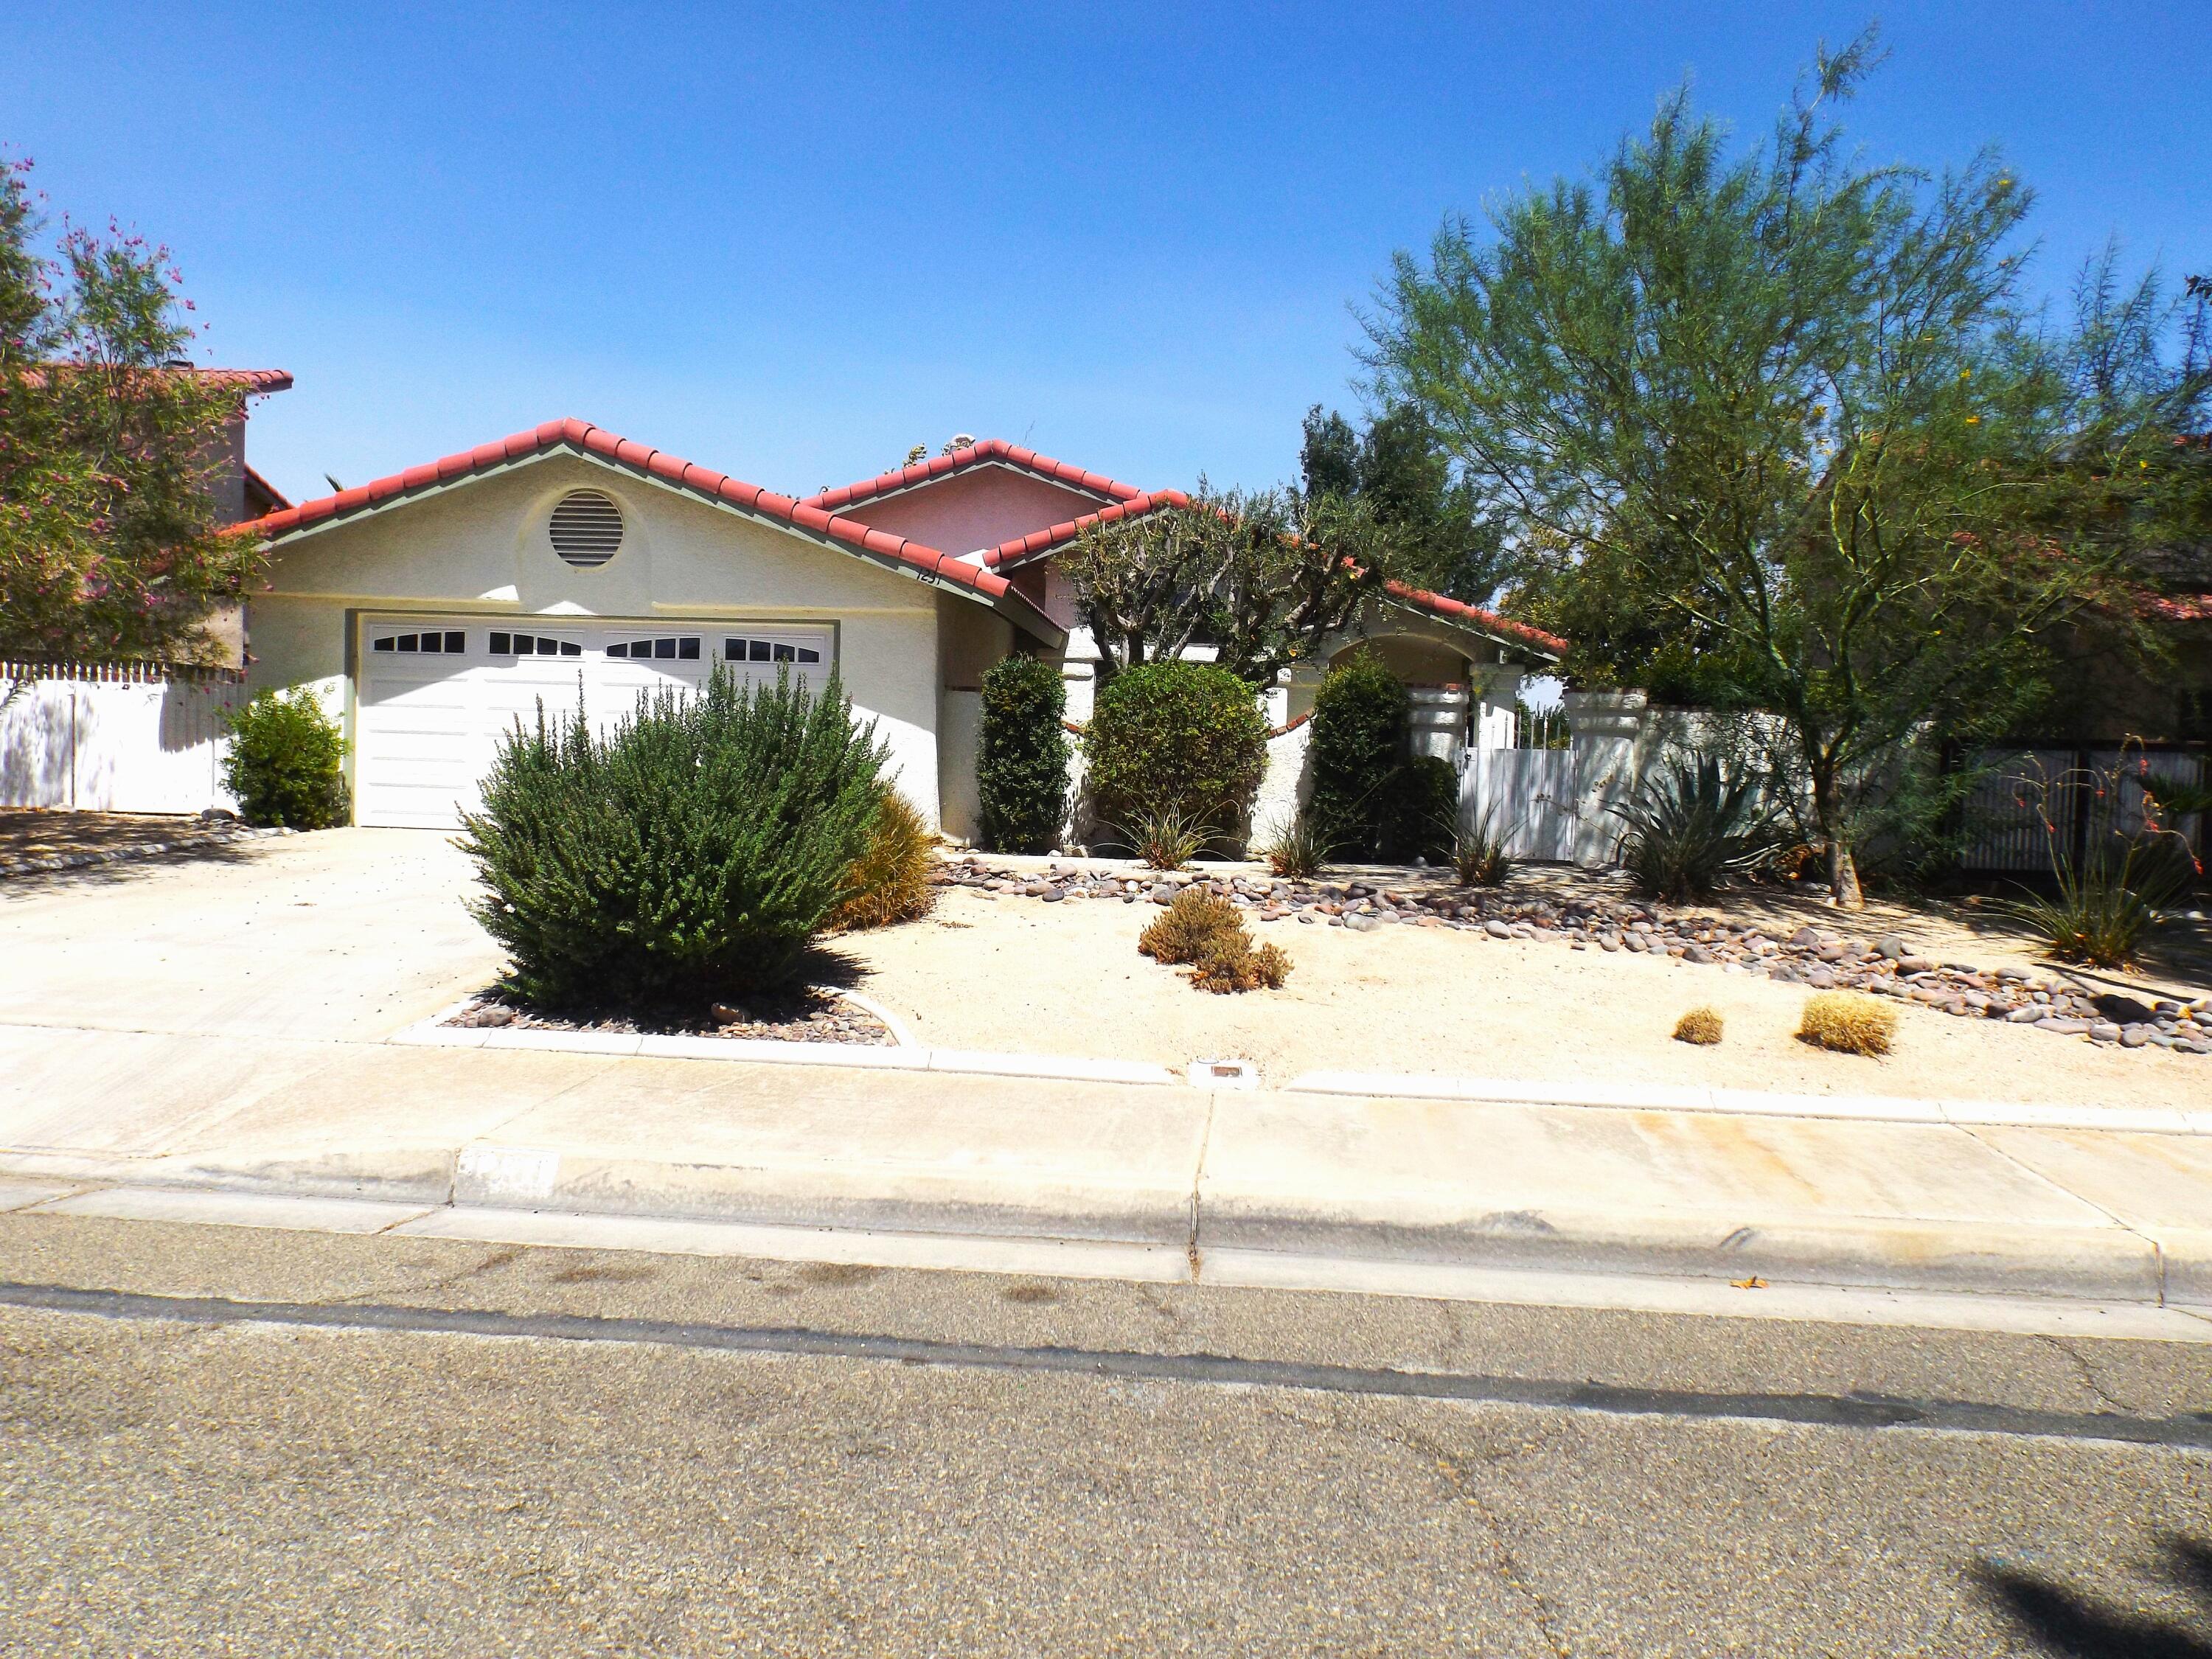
[(2170, 1267), (430, 1034), (1659, 1097)]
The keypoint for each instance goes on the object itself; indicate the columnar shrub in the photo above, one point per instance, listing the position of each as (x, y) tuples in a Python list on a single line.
[(1021, 757), (1185, 738), (689, 855), (286, 762), (1359, 721)]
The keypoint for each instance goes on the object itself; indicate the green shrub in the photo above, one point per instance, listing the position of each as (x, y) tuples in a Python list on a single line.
[(890, 882), (689, 856), (286, 763), (1692, 823), (1359, 747), (1423, 820), (1175, 737), (1021, 757)]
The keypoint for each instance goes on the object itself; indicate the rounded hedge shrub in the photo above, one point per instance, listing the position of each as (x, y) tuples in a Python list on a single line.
[(1185, 738), (688, 856), (286, 762), (1359, 747), (1021, 757)]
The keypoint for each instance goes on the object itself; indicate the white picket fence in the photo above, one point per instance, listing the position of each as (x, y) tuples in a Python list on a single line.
[(121, 737)]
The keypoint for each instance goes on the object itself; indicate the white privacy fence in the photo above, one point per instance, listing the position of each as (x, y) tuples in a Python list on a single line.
[(124, 738)]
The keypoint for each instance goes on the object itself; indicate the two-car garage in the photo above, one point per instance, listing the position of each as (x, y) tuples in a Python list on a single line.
[(435, 693)]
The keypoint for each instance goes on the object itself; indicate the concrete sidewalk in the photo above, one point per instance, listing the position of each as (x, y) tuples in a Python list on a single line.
[(2093, 1214)]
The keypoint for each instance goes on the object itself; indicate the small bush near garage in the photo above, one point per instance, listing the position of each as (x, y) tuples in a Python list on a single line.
[(1359, 720), (688, 856), (1021, 757), (1180, 738), (286, 763), (890, 882)]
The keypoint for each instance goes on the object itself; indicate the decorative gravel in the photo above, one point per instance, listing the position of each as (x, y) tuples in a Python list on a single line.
[(811, 1016), (1818, 958)]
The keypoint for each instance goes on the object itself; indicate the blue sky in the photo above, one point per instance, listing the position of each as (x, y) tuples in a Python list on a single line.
[(791, 242)]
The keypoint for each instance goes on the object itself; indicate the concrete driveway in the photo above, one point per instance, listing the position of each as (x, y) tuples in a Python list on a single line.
[(344, 934)]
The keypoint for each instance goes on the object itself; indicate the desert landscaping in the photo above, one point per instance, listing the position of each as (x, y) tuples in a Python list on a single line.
[(1011, 971)]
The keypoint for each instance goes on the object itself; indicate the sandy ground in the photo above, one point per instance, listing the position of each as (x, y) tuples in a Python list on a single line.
[(1014, 974)]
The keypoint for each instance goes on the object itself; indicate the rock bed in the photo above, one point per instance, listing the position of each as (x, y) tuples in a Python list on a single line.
[(812, 1016), (1817, 958)]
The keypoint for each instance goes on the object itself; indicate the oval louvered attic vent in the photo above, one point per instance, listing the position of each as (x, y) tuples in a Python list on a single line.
[(586, 528)]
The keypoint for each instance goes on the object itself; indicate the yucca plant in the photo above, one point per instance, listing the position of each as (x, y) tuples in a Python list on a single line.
[(1166, 838), (1692, 824), (689, 855), (1479, 855), (2104, 905), (1300, 849), (2105, 900)]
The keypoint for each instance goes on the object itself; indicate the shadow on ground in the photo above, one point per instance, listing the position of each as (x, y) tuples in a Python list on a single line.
[(2081, 1626)]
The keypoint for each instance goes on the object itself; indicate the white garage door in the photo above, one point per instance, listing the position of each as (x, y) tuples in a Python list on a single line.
[(436, 693)]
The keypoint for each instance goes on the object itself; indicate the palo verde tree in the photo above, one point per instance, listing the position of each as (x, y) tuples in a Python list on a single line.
[(109, 546), (1264, 577), (1781, 413)]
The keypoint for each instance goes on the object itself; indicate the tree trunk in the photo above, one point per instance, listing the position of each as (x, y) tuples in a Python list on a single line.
[(1843, 876), (1843, 869)]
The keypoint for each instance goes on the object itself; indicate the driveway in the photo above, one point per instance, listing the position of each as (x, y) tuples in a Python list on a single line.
[(341, 934)]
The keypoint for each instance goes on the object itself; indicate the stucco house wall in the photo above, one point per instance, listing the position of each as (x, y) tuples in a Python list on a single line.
[(482, 548)]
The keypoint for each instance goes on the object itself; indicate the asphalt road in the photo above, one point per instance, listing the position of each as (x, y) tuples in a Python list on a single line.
[(1040, 1467)]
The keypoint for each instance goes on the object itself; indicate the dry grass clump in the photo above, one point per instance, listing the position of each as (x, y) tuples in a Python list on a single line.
[(1700, 1026), (890, 880), (1848, 1023), (1209, 934)]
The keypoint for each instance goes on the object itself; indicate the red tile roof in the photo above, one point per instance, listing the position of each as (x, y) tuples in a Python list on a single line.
[(895, 552), (976, 454), (251, 380), (1474, 615), (1024, 550)]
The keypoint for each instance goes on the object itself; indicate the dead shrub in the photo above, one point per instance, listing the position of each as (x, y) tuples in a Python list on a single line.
[(890, 882), (1207, 934), (1700, 1026), (1848, 1023)]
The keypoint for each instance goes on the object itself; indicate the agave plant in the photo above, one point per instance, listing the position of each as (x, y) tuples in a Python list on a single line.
[(1693, 823)]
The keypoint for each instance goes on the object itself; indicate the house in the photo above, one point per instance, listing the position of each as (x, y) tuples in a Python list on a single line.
[(432, 609)]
